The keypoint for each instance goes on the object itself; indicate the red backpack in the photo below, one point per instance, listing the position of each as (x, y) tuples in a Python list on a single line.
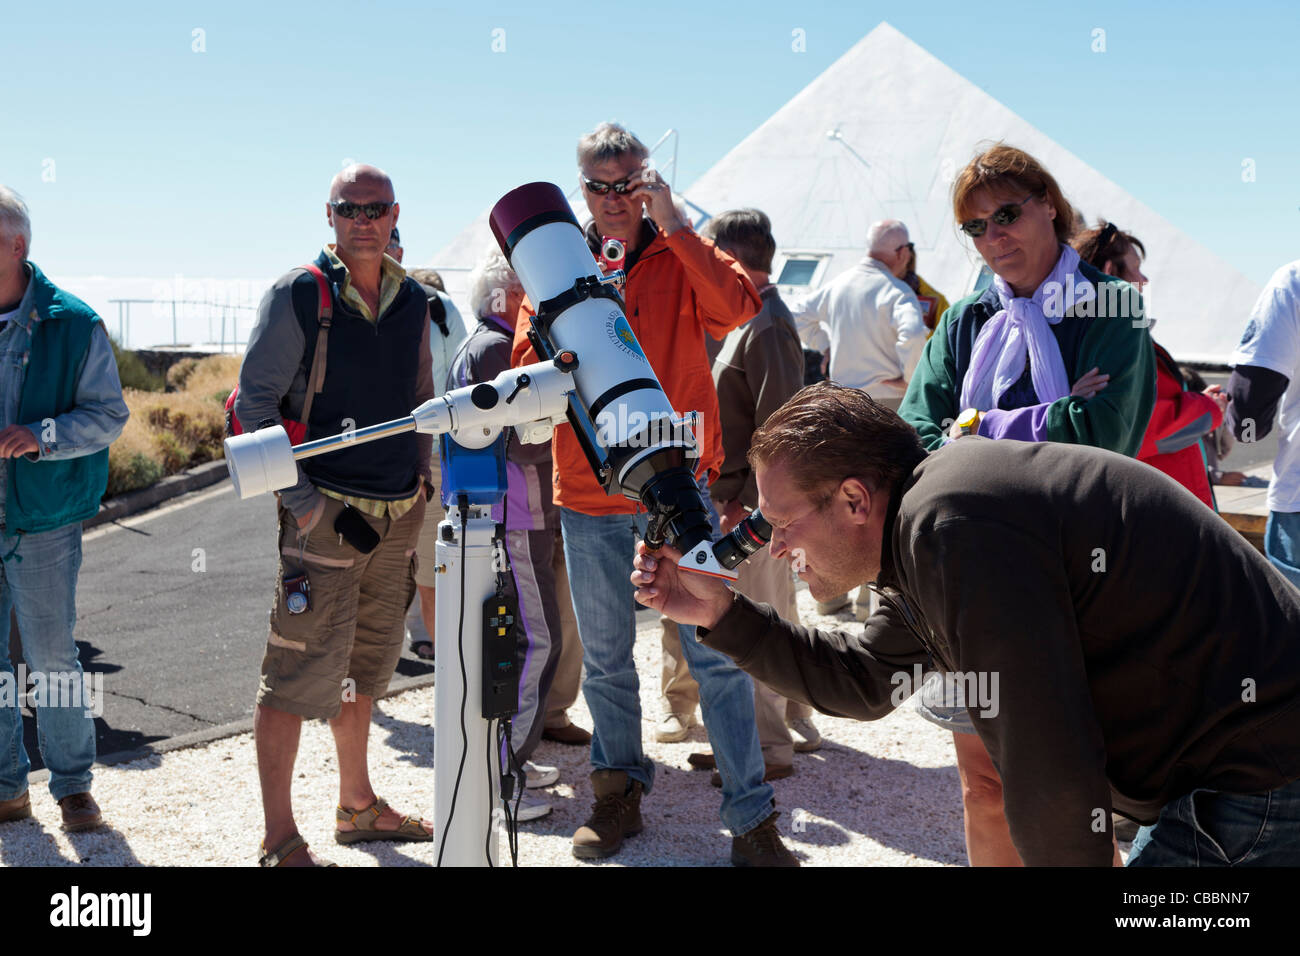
[(315, 380)]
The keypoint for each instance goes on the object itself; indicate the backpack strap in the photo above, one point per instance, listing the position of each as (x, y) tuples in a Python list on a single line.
[(438, 314), (324, 313)]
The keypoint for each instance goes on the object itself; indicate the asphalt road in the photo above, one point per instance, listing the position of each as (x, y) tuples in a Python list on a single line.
[(172, 610)]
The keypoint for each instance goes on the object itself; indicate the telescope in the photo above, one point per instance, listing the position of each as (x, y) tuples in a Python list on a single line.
[(592, 374)]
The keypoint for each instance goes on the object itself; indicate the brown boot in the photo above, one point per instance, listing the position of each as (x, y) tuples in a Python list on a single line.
[(615, 814), (19, 808), (761, 846), (80, 812)]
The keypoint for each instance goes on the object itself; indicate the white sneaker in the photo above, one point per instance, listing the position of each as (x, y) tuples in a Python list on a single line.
[(807, 737), (539, 776), (674, 727), (532, 806)]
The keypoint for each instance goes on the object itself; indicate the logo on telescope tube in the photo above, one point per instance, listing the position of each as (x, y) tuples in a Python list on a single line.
[(620, 333)]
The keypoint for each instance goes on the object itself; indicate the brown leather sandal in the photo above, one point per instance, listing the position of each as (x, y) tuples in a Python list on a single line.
[(410, 829), (285, 850)]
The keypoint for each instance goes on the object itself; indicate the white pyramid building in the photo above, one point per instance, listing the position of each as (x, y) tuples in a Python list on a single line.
[(881, 134)]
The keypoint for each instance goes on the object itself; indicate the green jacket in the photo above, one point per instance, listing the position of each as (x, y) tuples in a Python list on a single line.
[(1109, 333), (71, 399)]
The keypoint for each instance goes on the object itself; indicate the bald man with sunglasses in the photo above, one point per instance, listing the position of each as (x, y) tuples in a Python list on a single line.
[(340, 344)]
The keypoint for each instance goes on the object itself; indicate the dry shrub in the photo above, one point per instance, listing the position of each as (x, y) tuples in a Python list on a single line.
[(133, 460), (212, 375), (169, 432), (179, 373)]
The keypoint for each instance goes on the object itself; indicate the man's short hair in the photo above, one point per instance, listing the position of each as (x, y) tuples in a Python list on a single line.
[(609, 141), (490, 285), (427, 276), (14, 219), (886, 236), (745, 234), (832, 432)]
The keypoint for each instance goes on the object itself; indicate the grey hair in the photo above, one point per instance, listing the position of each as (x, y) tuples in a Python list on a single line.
[(490, 284), (14, 219), (886, 235), (609, 141)]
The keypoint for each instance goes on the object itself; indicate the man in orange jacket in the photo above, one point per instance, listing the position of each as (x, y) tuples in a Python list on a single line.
[(680, 288)]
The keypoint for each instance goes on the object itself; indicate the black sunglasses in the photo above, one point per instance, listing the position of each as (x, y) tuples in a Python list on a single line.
[(349, 210), (1004, 216), (621, 187)]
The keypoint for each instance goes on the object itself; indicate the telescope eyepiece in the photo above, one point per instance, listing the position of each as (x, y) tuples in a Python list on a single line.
[(752, 534)]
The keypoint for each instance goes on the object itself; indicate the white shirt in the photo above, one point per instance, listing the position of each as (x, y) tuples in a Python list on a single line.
[(873, 320), (444, 347), (1272, 341)]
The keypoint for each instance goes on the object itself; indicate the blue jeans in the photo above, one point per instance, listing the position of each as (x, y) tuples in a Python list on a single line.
[(1214, 828), (1282, 543), (598, 551), (39, 581)]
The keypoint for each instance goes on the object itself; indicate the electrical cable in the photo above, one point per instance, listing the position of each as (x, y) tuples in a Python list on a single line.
[(463, 502)]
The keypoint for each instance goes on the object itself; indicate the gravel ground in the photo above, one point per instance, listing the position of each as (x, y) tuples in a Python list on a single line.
[(883, 793)]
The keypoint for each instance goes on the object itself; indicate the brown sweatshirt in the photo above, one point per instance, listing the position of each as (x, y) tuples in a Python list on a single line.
[(1141, 648), (758, 367)]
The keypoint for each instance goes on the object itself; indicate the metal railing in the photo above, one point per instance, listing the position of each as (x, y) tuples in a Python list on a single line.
[(222, 318)]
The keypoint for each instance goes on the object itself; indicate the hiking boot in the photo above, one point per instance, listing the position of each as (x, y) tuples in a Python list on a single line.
[(19, 808), (761, 846), (615, 814), (80, 812), (570, 734)]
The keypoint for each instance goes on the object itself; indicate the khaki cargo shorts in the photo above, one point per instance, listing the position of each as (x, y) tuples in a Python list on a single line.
[(349, 640)]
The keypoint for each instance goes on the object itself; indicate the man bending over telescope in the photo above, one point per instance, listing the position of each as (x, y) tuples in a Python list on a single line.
[(1167, 691)]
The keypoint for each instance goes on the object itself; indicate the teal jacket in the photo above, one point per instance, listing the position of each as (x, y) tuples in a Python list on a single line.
[(1109, 333), (69, 396)]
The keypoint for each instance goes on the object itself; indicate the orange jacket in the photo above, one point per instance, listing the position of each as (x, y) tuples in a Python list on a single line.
[(680, 289)]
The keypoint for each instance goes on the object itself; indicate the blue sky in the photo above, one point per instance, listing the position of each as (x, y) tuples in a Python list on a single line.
[(216, 163)]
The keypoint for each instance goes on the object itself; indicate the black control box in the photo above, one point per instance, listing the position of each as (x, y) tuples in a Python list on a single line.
[(500, 657)]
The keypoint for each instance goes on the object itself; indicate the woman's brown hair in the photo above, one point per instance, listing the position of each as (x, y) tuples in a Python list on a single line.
[(1107, 245), (1010, 174)]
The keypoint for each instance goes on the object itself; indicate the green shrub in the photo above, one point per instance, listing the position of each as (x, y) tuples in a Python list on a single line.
[(133, 372), (130, 472)]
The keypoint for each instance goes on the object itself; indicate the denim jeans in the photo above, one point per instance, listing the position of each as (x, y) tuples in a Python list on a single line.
[(1282, 543), (39, 581), (598, 551), (1214, 828)]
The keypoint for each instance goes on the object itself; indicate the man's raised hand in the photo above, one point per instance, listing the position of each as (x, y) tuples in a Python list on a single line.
[(684, 597)]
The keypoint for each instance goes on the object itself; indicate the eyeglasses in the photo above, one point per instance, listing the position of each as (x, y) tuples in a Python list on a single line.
[(1004, 216), (910, 247), (622, 187), (349, 210)]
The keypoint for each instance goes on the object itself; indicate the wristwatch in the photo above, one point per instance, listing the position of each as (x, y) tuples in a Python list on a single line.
[(968, 422)]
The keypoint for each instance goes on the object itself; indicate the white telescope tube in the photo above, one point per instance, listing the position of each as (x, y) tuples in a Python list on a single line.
[(618, 388)]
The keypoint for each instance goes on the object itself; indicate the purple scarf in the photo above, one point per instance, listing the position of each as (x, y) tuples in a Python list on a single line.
[(1021, 328)]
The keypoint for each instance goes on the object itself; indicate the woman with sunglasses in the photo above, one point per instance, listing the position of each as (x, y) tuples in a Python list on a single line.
[(1052, 350)]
